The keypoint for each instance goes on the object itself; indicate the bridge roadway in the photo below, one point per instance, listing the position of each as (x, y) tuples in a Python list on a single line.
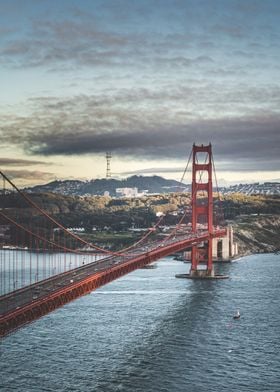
[(25, 295), (30, 297)]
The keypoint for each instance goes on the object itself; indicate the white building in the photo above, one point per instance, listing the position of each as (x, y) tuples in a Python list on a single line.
[(127, 192)]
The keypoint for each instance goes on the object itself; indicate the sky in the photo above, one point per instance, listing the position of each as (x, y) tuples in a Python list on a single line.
[(142, 79)]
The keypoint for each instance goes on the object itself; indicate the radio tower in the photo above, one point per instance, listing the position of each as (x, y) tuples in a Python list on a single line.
[(108, 170)]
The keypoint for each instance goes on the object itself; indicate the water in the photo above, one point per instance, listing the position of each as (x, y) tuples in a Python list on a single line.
[(151, 332)]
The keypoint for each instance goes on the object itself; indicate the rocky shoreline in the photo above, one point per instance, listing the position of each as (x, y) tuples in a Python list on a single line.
[(257, 233)]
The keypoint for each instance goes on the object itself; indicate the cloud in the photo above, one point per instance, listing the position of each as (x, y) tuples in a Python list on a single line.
[(139, 125), (86, 42), (51, 42), (233, 31), (182, 61), (154, 170), (32, 175), (78, 40), (19, 162), (5, 31)]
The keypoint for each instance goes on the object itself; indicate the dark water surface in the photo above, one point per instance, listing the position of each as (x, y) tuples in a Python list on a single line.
[(151, 332)]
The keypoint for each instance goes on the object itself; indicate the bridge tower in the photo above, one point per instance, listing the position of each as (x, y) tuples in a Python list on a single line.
[(202, 208)]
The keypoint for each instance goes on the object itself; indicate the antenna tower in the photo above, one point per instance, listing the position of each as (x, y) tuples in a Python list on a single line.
[(108, 170)]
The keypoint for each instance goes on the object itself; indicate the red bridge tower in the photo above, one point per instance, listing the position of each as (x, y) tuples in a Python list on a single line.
[(202, 209)]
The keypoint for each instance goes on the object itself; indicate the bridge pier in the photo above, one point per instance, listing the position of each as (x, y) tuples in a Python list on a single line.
[(202, 275)]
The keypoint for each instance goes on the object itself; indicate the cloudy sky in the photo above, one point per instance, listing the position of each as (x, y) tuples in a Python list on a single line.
[(144, 79)]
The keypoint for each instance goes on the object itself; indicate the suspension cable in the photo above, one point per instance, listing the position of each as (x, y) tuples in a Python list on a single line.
[(76, 237)]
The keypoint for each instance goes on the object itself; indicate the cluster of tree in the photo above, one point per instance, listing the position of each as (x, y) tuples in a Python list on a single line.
[(120, 214), (240, 204)]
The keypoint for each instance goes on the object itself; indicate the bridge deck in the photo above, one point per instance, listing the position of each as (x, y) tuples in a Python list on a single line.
[(27, 304)]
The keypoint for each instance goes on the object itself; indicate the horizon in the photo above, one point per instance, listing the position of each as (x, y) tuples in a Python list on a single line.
[(143, 81), (224, 184)]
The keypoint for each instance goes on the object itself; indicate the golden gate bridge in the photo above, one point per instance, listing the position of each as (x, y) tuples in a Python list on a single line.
[(44, 266)]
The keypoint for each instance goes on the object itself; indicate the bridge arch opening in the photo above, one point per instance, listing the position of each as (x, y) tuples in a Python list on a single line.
[(202, 157)]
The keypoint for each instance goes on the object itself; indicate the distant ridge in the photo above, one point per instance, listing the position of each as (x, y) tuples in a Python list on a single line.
[(151, 184)]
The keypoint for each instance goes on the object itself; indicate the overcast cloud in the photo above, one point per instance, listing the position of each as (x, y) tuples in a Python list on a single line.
[(143, 80), (85, 125)]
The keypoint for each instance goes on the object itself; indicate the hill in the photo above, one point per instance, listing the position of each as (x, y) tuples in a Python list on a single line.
[(152, 184), (257, 233)]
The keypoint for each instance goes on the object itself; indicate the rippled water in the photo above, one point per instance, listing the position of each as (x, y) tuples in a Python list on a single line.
[(151, 332)]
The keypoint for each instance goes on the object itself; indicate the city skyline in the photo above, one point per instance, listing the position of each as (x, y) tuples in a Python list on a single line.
[(143, 80)]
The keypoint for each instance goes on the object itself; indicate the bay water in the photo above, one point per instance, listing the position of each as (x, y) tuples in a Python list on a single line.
[(149, 331)]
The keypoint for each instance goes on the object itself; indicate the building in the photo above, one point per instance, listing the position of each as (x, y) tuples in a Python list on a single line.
[(127, 192)]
